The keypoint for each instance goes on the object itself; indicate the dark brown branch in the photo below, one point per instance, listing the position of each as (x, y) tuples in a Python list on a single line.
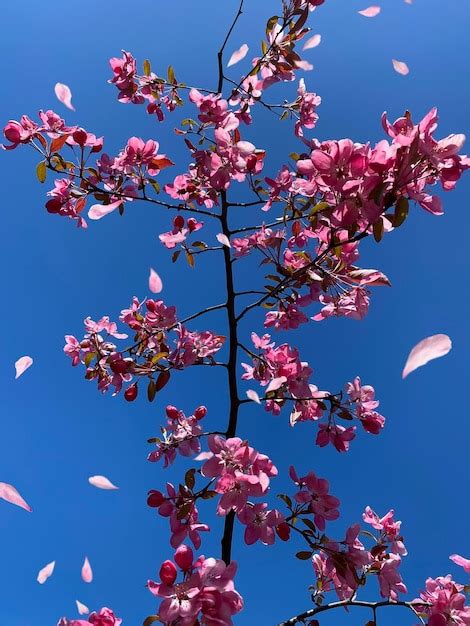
[(231, 367), (220, 54), (297, 619)]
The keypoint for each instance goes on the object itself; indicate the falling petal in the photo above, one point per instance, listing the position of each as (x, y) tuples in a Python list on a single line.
[(10, 494), (203, 456), (426, 350), (87, 572), (374, 278), (22, 365), (64, 94), (252, 395), (82, 608), (45, 572), (400, 67), (223, 239), (461, 561), (313, 42), (304, 65), (370, 11), (101, 482), (97, 211), (238, 55), (155, 282)]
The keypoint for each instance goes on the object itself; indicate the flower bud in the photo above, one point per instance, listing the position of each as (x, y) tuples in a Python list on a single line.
[(155, 498), (184, 558), (283, 531), (168, 573), (131, 393), (200, 412), (80, 136), (192, 223), (172, 412), (178, 222)]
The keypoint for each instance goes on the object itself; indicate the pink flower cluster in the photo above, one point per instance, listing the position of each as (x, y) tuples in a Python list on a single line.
[(181, 434), (148, 356), (205, 594), (137, 89), (180, 231), (105, 617), (179, 506), (314, 492), (240, 472), (343, 566), (286, 378), (230, 158), (444, 602)]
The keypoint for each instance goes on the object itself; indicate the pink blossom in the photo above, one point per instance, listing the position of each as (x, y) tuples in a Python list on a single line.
[(314, 492)]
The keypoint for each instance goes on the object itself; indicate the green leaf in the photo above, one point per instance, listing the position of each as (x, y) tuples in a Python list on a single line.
[(378, 230), (401, 211), (190, 259), (41, 171), (171, 75), (151, 390), (150, 620), (189, 478), (147, 69)]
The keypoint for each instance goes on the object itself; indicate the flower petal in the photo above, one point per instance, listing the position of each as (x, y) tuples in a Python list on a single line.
[(64, 94), (370, 11), (87, 572), (400, 67), (155, 282), (22, 364), (313, 42), (223, 239), (45, 572), (238, 55), (426, 350), (101, 482), (82, 608), (252, 395), (97, 211), (10, 494)]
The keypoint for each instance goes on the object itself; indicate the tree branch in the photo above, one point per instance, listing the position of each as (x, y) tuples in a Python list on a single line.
[(301, 617), (220, 54)]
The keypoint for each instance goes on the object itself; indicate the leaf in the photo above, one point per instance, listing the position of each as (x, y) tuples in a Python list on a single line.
[(97, 211), (101, 482), (22, 364), (189, 479), (378, 230), (11, 495), (87, 572), (41, 171), (162, 380), (64, 95), (303, 556), (151, 391), (401, 211), (81, 608), (147, 68), (238, 55), (400, 67), (150, 620), (171, 75), (223, 239), (370, 11), (252, 395), (190, 259), (312, 42), (45, 572), (426, 350), (58, 143), (155, 282)]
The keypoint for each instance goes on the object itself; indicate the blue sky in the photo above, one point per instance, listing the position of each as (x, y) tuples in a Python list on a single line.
[(56, 430)]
